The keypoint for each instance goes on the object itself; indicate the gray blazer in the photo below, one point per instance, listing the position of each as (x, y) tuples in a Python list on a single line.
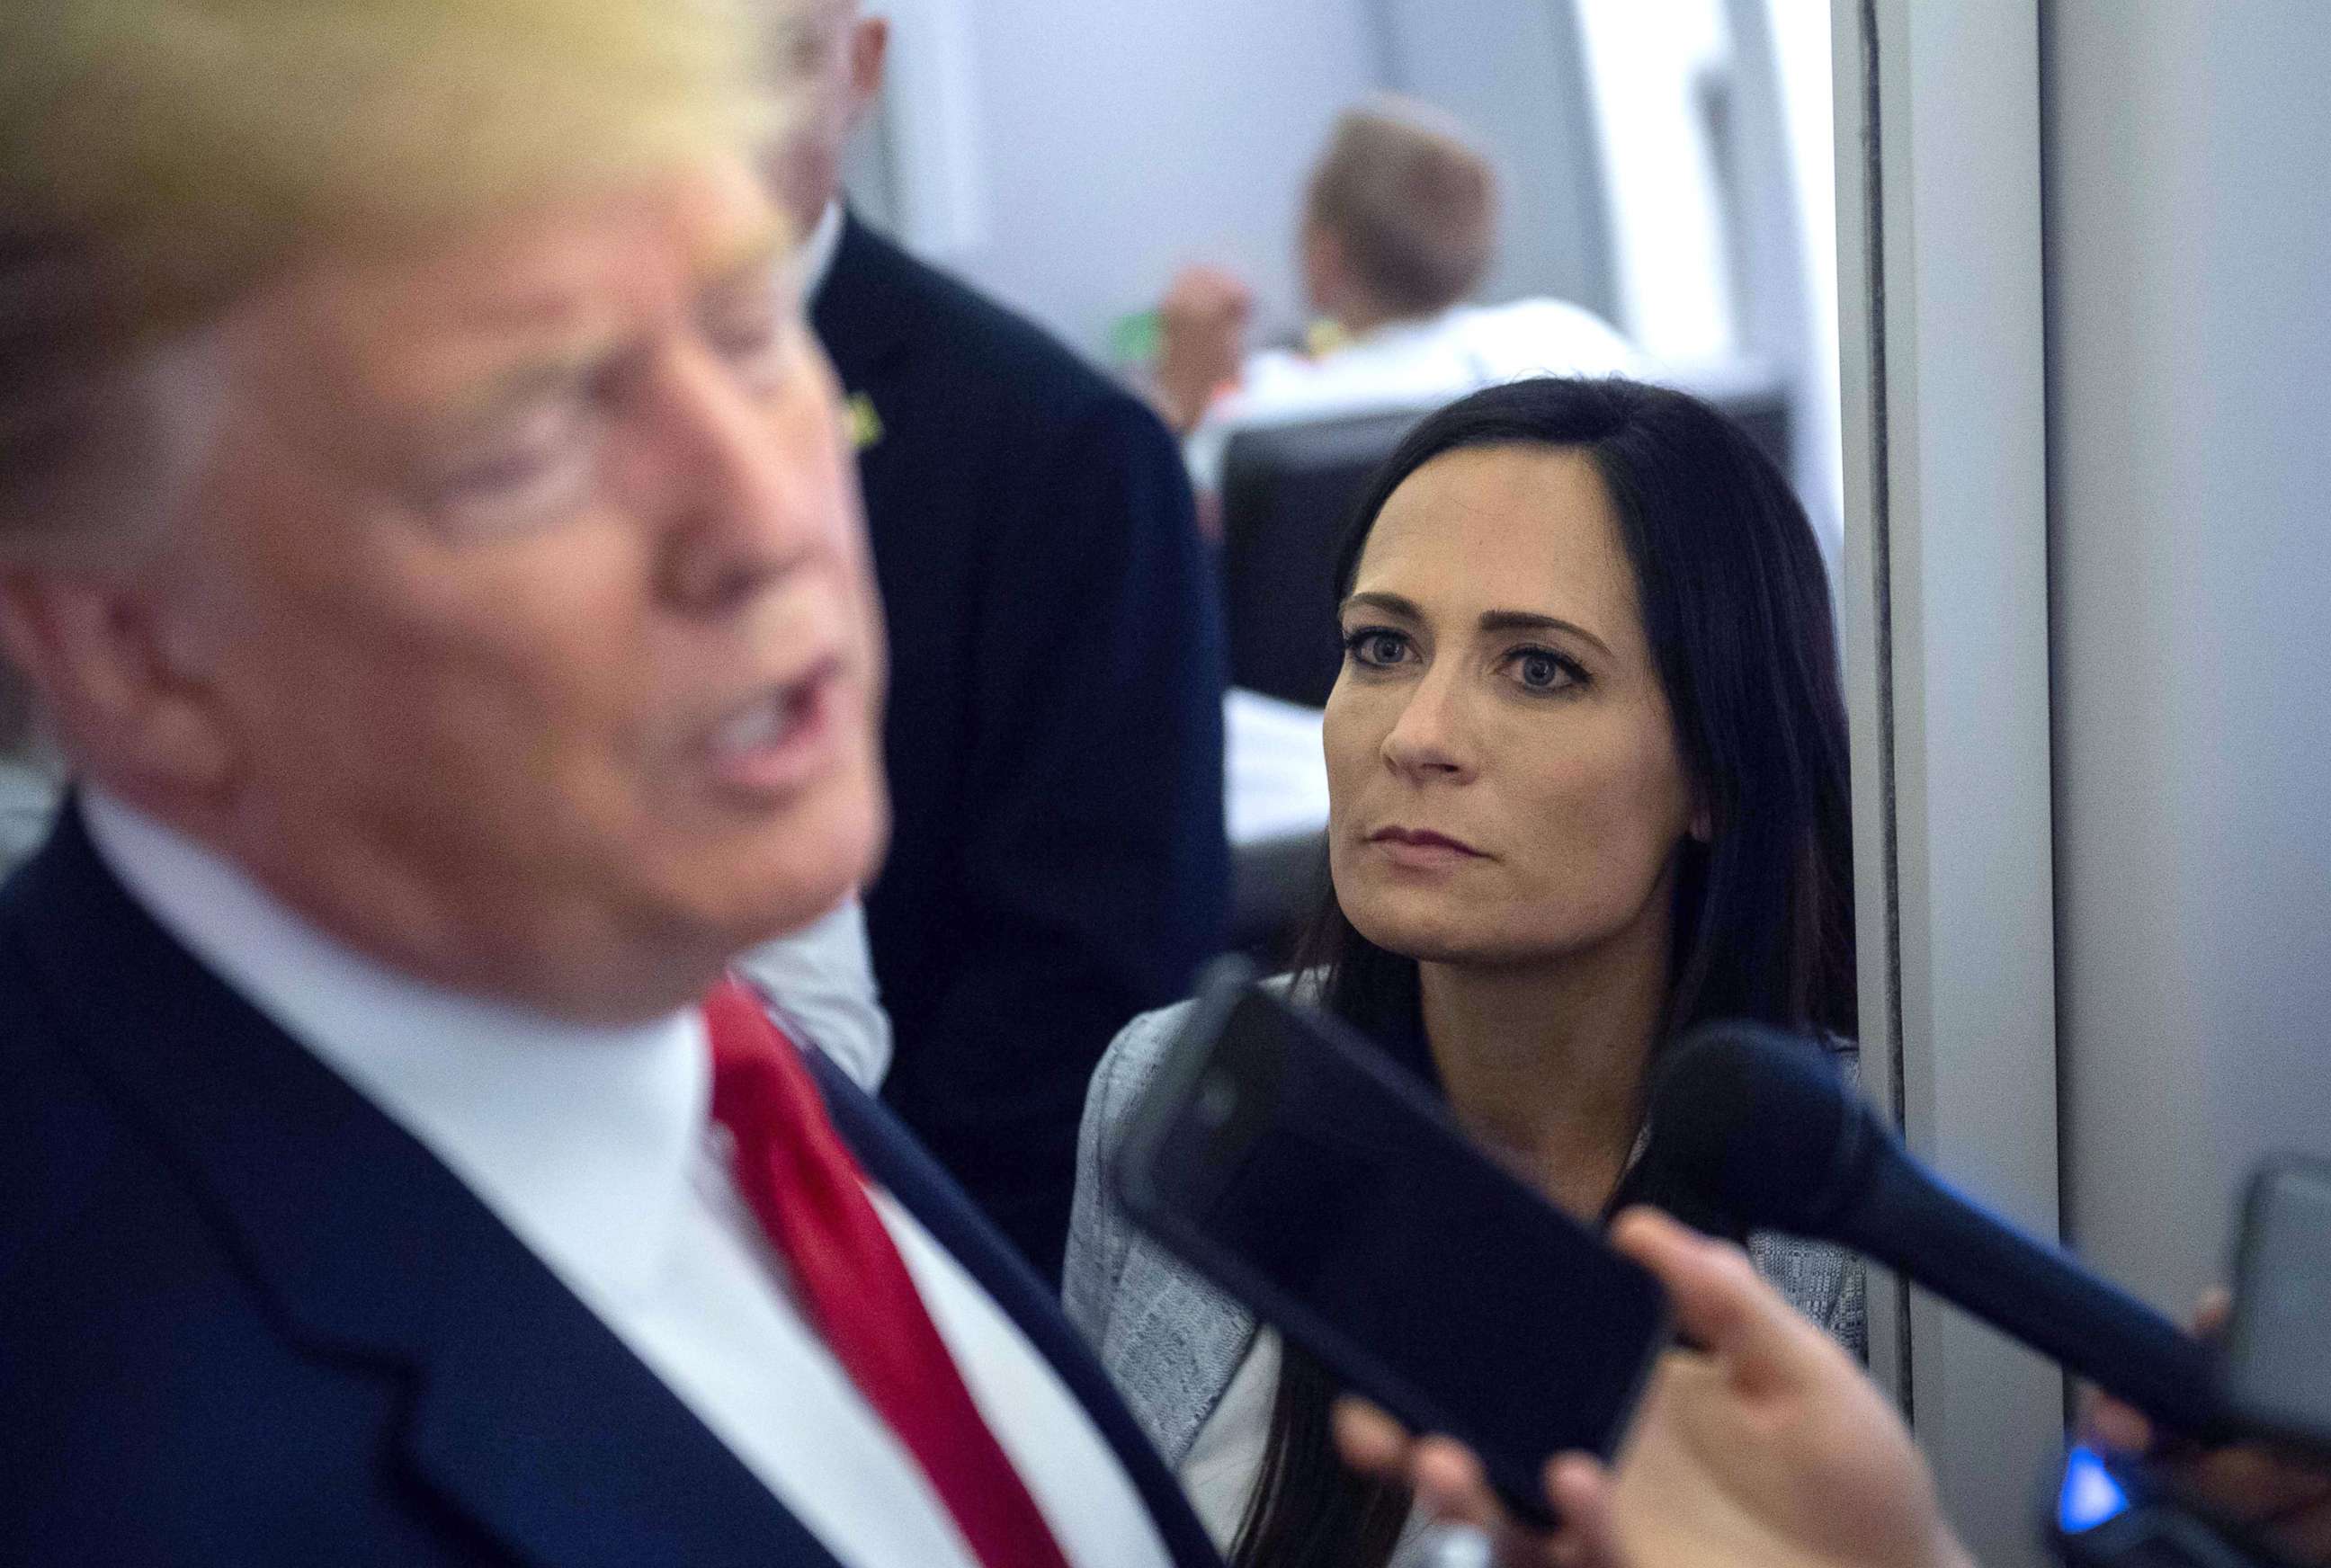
[(1172, 1340)]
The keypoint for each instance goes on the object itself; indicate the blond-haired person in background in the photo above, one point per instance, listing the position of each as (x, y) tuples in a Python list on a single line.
[(1398, 230), (425, 520)]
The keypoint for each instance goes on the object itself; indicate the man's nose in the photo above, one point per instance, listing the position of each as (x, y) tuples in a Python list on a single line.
[(751, 471)]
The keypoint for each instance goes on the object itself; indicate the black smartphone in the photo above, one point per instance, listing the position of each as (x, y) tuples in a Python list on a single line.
[(1303, 1172), (2274, 1369)]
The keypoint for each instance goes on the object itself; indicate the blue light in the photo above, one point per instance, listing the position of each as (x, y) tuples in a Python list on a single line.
[(2090, 1495)]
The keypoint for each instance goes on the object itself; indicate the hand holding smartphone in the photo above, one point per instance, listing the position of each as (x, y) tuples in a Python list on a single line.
[(1304, 1173)]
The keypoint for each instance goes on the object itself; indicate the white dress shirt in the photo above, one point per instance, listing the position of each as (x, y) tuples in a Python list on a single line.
[(1416, 365), (594, 1146), (1225, 1457), (28, 804), (815, 261), (1225, 1460), (820, 981)]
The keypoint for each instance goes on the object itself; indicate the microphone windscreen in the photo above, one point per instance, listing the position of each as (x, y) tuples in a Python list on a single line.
[(1760, 1124)]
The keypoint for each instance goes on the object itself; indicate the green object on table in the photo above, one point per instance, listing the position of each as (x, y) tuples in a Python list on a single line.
[(1134, 340)]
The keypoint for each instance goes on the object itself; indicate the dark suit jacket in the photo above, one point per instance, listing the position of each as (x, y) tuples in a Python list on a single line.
[(245, 1319), (1054, 738)]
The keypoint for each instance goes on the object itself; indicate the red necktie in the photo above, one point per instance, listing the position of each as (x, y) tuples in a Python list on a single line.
[(799, 1178)]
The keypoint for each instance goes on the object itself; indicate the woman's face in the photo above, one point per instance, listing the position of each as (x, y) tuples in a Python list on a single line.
[(1503, 777)]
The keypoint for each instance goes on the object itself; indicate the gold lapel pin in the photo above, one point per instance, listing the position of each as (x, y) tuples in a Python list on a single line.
[(865, 425)]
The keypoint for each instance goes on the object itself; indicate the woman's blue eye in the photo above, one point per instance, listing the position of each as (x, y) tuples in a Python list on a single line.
[(1542, 672), (1375, 646)]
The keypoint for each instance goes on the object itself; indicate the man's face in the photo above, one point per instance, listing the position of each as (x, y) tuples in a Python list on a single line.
[(832, 58), (526, 581)]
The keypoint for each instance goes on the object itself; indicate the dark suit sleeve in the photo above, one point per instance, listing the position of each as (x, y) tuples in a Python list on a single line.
[(1095, 876)]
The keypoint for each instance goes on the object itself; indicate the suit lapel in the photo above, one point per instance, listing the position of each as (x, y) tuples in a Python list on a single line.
[(893, 1158), (526, 1413), (853, 314)]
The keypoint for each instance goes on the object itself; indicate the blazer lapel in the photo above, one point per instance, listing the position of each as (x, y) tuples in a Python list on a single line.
[(1176, 1342), (893, 1158), (526, 1413)]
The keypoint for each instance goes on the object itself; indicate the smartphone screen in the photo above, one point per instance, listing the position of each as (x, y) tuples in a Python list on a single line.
[(1313, 1179)]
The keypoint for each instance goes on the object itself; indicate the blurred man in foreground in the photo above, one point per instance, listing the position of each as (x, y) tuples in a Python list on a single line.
[(1054, 740), (425, 520)]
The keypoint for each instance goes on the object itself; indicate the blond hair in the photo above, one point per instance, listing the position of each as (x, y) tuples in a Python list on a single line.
[(1411, 200), (161, 158)]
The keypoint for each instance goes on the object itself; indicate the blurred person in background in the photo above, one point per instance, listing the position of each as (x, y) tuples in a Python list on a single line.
[(1054, 738), (1586, 777), (1398, 229), (426, 523)]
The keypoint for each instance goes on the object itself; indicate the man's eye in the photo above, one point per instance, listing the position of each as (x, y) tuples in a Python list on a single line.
[(752, 342), (743, 339), (515, 487), (506, 474)]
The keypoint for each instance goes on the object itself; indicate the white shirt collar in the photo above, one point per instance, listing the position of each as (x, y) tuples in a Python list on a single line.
[(1397, 336), (580, 1138), (817, 252)]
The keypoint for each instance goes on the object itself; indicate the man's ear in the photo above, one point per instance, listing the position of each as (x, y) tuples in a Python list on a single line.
[(869, 64), (1703, 818), (89, 645)]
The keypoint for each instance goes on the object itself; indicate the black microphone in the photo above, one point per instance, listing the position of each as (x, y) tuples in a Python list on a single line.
[(1758, 1127)]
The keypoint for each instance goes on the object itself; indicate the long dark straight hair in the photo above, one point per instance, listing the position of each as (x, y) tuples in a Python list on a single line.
[(1735, 607)]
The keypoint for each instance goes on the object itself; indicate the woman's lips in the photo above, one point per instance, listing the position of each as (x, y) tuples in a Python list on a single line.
[(1421, 848)]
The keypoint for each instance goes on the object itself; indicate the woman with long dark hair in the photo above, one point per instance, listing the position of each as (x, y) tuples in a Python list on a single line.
[(1586, 766)]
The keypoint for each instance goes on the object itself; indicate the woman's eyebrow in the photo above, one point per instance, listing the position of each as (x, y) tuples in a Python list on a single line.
[(1530, 620), (1389, 603)]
